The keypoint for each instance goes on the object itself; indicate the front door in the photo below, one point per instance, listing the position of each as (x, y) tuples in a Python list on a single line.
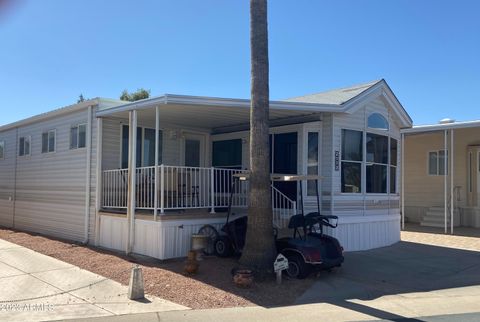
[(473, 176), (194, 150)]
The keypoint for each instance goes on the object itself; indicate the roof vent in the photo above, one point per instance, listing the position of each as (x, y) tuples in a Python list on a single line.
[(446, 121)]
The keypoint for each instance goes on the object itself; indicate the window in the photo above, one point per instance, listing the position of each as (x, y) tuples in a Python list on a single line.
[(380, 162), (377, 163), (227, 154), (2, 150), (24, 146), (378, 122), (78, 136), (352, 157), (145, 147), (436, 163), (312, 162), (48, 141)]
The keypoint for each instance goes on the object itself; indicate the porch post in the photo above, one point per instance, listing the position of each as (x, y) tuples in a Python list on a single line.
[(155, 198), (99, 182), (445, 181), (402, 142), (132, 167), (452, 157), (212, 190)]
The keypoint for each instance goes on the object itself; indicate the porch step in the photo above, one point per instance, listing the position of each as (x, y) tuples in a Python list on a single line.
[(435, 217)]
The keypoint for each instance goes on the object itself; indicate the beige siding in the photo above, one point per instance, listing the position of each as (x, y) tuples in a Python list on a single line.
[(423, 191), (7, 178)]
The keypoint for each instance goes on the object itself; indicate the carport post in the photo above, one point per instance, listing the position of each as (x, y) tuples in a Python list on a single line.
[(452, 157), (132, 170), (402, 142), (445, 179), (155, 197)]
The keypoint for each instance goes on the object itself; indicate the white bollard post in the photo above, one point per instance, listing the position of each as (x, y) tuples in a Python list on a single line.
[(135, 287)]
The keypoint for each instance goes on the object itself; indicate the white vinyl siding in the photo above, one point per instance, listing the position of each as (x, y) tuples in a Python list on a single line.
[(7, 177), (365, 203), (50, 188)]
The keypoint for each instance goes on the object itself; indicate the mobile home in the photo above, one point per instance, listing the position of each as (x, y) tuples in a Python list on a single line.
[(169, 160)]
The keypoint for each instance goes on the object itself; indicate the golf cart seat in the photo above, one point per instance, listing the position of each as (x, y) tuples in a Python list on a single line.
[(323, 220), (296, 222)]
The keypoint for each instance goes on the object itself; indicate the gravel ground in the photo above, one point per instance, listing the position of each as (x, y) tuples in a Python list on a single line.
[(211, 287)]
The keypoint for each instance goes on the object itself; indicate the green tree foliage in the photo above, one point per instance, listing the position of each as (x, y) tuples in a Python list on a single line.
[(140, 94)]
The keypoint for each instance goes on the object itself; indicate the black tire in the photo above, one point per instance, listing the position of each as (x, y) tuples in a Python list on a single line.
[(297, 268), (223, 246), (212, 234)]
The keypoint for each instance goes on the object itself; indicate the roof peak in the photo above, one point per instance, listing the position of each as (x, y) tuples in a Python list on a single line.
[(336, 96)]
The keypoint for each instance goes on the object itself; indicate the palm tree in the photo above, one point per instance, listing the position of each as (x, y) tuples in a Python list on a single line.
[(259, 251)]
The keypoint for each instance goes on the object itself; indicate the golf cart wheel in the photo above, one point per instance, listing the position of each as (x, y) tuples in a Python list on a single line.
[(223, 246), (212, 233), (297, 268)]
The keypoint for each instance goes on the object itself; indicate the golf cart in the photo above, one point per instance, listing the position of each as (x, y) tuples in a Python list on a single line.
[(309, 247)]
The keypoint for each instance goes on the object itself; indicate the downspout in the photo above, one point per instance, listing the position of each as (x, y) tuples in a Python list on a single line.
[(15, 178), (88, 173)]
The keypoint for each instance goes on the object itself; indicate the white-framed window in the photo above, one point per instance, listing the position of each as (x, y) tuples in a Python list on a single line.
[(352, 159), (379, 165), (49, 139), (78, 136), (24, 146), (2, 150), (436, 163)]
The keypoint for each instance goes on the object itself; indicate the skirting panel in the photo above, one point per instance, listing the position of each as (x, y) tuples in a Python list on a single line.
[(367, 232), (171, 239), (162, 239)]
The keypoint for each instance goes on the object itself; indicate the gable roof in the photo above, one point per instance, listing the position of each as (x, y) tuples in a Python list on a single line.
[(335, 96)]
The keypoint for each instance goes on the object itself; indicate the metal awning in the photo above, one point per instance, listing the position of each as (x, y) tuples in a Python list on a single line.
[(218, 115)]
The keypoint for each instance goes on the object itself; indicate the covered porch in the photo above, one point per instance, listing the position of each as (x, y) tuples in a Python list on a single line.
[(186, 152)]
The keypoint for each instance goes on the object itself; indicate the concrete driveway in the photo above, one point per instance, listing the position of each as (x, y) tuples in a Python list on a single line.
[(405, 280), (37, 287), (408, 281)]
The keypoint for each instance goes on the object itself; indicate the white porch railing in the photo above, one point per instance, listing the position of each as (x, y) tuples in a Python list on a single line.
[(181, 187)]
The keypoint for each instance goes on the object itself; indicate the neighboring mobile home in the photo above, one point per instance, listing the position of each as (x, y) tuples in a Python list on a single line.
[(186, 150), (442, 174)]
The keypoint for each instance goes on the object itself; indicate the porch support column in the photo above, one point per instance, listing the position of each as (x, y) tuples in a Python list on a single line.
[(445, 179), (132, 164), (452, 157), (402, 169), (155, 198), (99, 181)]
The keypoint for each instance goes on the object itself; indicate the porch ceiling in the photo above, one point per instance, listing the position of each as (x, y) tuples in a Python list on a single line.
[(217, 119)]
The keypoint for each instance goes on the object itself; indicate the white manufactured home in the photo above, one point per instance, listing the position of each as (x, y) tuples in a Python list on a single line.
[(68, 173)]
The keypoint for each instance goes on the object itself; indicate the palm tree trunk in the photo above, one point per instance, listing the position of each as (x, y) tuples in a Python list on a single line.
[(259, 251)]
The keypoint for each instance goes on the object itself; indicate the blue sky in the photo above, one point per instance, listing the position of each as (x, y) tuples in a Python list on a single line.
[(53, 50)]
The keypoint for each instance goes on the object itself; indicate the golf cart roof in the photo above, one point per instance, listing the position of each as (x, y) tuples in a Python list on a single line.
[(282, 177)]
